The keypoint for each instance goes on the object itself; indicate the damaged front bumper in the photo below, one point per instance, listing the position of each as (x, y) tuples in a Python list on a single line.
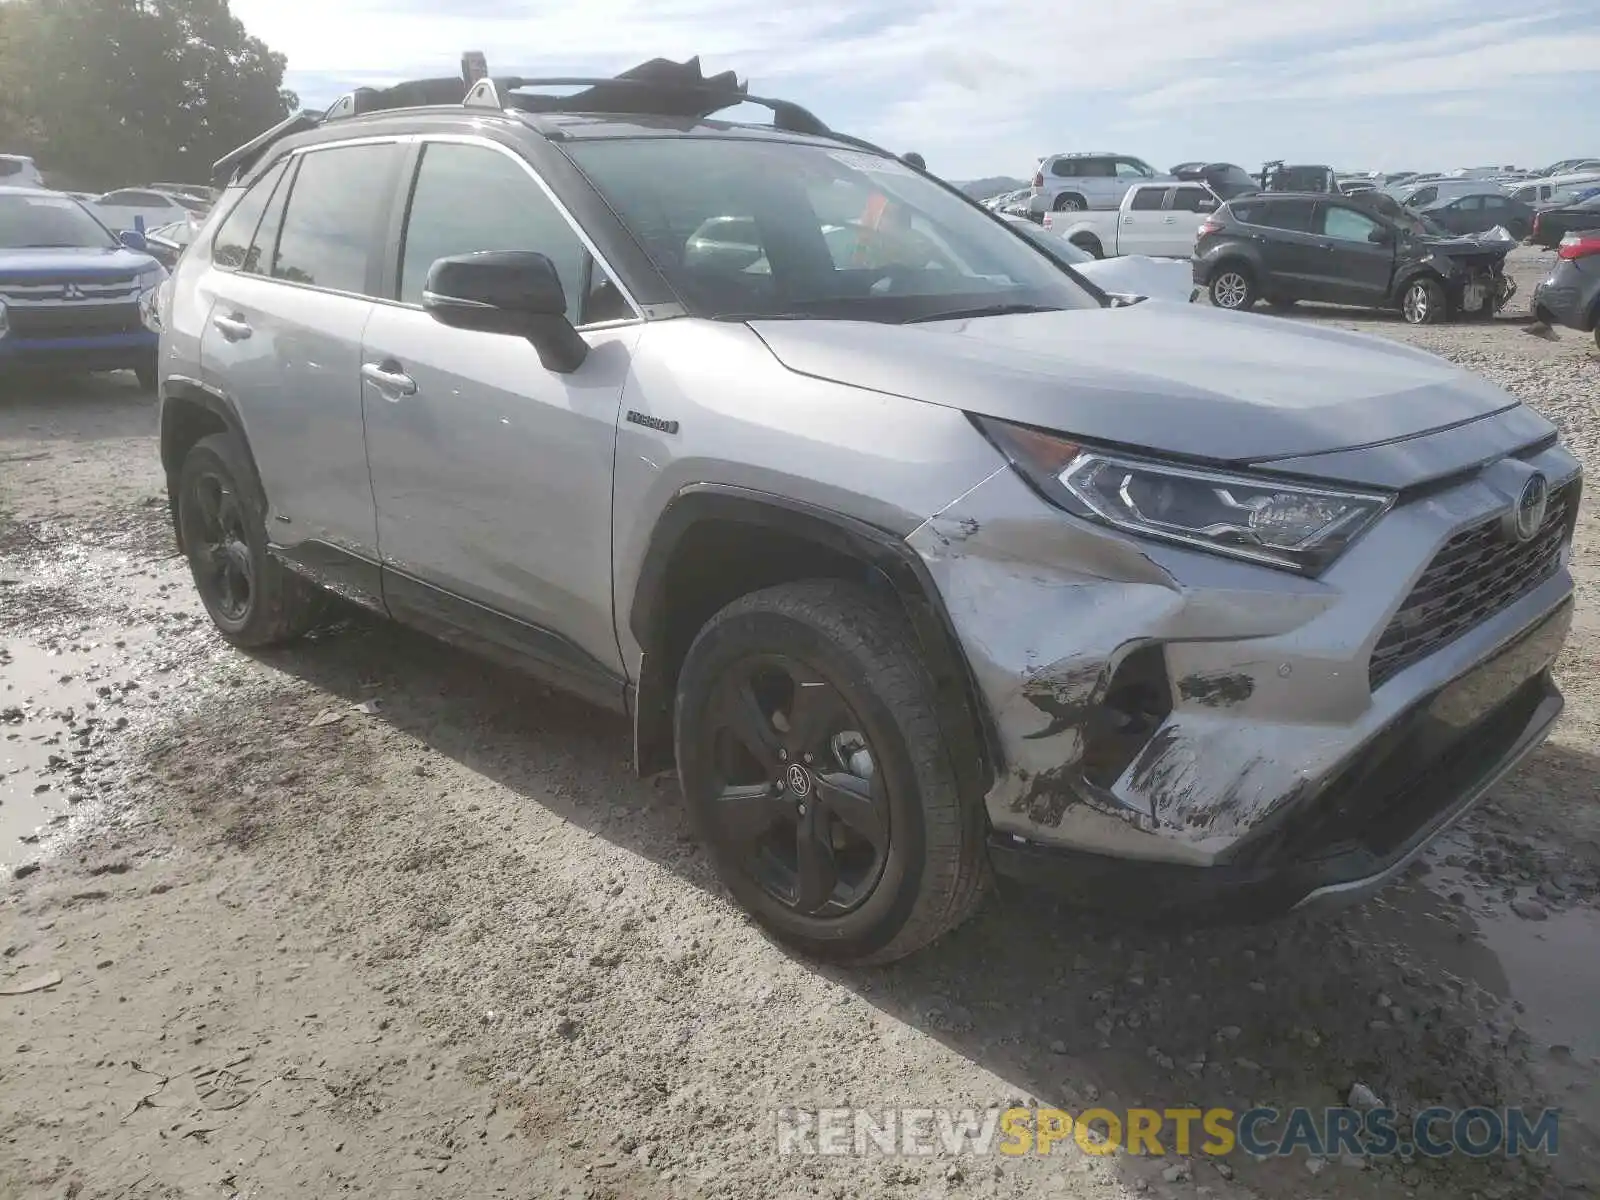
[(1178, 730)]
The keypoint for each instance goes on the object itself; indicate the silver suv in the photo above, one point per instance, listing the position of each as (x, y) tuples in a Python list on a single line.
[(1076, 182), (913, 554)]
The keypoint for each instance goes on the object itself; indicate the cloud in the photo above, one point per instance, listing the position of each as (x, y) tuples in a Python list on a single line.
[(979, 86)]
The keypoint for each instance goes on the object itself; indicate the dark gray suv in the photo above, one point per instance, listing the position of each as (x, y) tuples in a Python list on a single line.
[(910, 552)]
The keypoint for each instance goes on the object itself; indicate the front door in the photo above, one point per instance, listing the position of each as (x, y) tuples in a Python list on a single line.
[(1292, 252), (1354, 269), (492, 475)]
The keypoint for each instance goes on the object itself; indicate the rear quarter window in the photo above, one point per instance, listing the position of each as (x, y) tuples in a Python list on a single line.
[(1247, 211)]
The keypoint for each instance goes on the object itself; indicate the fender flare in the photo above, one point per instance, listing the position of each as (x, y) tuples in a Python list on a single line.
[(219, 404), (963, 719)]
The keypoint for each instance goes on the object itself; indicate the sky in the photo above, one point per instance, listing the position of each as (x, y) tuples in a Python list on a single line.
[(987, 87)]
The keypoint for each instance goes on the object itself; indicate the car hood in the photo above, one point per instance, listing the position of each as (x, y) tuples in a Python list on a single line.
[(1177, 379), (1496, 241), (80, 262), (1139, 275)]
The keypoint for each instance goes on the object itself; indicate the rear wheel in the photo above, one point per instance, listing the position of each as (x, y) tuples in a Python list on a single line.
[(1423, 302), (814, 772), (253, 599), (1089, 244), (1232, 288), (147, 376), (1070, 202)]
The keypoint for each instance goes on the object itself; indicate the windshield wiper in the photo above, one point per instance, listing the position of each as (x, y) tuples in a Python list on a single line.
[(989, 310)]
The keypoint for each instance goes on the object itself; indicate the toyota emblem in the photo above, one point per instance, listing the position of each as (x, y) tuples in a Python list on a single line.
[(799, 780), (1527, 518)]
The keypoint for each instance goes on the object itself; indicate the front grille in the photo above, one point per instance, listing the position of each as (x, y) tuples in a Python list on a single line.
[(74, 320), (1476, 573)]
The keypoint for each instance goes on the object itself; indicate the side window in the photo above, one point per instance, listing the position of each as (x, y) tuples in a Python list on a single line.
[(1064, 168), (471, 198), (1250, 212), (1293, 215), (1132, 168), (330, 226), (1147, 199), (231, 247), (1469, 204), (1193, 199), (1422, 196), (1098, 168), (1496, 203), (1346, 224)]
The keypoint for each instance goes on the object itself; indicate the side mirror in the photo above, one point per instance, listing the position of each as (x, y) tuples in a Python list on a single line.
[(133, 239), (514, 292), (1381, 237)]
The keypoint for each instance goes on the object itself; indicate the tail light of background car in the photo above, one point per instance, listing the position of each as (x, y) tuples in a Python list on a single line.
[(1207, 227), (1575, 246), (1038, 181)]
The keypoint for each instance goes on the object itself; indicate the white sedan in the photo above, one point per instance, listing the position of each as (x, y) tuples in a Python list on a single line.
[(1127, 276), (122, 209)]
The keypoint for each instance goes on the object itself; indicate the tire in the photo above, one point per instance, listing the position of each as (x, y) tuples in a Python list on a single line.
[(755, 805), (1089, 244), (1232, 287), (1423, 302), (148, 377), (1070, 202), (252, 599)]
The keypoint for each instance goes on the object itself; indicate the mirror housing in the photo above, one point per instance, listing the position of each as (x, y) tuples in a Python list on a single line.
[(1381, 237), (512, 292), (134, 239)]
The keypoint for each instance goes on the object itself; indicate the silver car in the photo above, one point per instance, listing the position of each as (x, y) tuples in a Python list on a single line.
[(915, 557)]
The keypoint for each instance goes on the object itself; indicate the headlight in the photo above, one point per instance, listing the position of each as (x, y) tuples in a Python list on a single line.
[(1279, 524), (150, 285)]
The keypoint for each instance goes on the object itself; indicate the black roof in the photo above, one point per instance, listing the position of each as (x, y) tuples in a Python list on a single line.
[(655, 98)]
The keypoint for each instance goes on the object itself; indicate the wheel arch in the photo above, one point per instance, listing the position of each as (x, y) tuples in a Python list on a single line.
[(1412, 274), (191, 411), (770, 540)]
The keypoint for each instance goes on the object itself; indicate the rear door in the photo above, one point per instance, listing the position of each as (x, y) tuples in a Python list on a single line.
[(284, 342), (1141, 223), (492, 474), (1292, 252), (1186, 207), (1353, 268)]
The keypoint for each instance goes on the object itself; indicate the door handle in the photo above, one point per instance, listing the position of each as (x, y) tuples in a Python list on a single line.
[(234, 328), (392, 383), (1172, 220)]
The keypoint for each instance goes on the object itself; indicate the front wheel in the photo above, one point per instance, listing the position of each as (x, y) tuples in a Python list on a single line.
[(1233, 289), (1423, 302), (253, 599), (814, 771)]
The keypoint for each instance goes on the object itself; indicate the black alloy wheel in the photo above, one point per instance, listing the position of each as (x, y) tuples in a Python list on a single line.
[(219, 547), (800, 803), (816, 771)]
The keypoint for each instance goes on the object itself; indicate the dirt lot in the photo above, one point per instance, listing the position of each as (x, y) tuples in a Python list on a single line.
[(365, 918)]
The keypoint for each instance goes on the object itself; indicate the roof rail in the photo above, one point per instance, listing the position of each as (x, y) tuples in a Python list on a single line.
[(659, 88)]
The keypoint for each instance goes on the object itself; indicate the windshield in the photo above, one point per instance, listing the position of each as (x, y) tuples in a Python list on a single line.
[(745, 229), (48, 222), (1056, 247)]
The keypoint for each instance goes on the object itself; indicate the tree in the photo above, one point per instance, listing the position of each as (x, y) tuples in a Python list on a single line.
[(107, 93)]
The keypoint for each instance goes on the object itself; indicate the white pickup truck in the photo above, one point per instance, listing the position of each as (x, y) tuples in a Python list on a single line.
[(1156, 219)]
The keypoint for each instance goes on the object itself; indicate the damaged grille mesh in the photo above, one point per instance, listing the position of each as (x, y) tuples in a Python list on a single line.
[(1475, 575)]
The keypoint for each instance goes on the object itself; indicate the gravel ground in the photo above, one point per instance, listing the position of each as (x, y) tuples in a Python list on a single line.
[(364, 918)]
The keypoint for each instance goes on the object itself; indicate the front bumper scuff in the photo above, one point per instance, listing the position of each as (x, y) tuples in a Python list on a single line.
[(1271, 710)]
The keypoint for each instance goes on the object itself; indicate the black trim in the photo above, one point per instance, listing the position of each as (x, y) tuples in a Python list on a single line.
[(492, 634), (394, 245), (337, 571), (175, 392), (964, 721)]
